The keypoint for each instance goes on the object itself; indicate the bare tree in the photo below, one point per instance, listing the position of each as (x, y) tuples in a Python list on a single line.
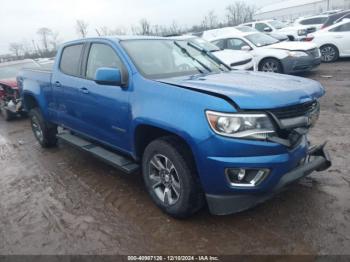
[(16, 49), (105, 31), (82, 28), (145, 27), (44, 34), (174, 29), (239, 12), (54, 41), (210, 20)]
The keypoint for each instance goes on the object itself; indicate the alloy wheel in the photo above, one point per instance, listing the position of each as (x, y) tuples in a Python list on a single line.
[(164, 179), (270, 66), (328, 53)]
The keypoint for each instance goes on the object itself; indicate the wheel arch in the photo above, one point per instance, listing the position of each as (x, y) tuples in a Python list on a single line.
[(146, 133)]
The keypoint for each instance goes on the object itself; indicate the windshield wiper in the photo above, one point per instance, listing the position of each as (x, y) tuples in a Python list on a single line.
[(209, 54), (185, 51)]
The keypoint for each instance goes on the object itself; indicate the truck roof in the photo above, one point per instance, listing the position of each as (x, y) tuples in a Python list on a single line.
[(118, 38)]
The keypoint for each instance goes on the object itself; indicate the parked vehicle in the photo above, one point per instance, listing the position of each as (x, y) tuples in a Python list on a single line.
[(199, 131), (270, 54), (334, 41), (295, 33), (334, 18), (246, 29), (10, 103), (233, 58), (315, 21)]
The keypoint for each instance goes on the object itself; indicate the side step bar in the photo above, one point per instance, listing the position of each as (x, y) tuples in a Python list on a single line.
[(124, 164)]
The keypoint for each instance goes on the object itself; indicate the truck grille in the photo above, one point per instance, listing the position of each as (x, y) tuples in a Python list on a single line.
[(314, 52), (295, 111)]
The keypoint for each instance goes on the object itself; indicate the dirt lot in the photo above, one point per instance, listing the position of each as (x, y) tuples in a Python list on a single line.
[(62, 201)]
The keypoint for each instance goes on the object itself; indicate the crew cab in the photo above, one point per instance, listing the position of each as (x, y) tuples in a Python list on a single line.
[(198, 131)]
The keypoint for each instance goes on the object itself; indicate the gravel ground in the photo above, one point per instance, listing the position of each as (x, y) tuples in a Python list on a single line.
[(63, 201)]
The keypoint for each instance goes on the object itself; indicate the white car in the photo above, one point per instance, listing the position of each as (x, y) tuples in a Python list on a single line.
[(270, 54), (235, 59), (314, 21), (333, 41), (295, 33)]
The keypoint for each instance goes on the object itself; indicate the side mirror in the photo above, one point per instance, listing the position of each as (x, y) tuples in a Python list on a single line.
[(246, 48), (267, 29), (108, 76)]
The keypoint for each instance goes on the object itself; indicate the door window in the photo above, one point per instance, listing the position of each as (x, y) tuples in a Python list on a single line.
[(220, 43), (102, 55), (70, 60), (236, 44), (342, 28)]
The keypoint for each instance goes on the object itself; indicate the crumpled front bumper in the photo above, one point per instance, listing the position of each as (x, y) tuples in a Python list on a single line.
[(317, 160)]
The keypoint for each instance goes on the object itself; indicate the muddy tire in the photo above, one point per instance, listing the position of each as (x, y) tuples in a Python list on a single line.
[(170, 177), (44, 132), (271, 65)]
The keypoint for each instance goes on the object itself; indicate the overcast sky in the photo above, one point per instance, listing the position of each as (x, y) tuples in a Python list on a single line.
[(20, 19)]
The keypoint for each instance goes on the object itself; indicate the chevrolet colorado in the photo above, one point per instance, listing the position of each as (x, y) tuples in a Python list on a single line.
[(200, 132)]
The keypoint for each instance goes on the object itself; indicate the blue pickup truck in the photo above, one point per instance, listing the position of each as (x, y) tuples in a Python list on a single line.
[(201, 133)]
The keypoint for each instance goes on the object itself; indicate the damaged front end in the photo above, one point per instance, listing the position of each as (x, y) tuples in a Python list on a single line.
[(10, 102)]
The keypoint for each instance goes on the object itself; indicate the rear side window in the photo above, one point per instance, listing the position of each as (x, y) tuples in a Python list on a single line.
[(70, 60), (102, 55), (342, 28), (313, 21)]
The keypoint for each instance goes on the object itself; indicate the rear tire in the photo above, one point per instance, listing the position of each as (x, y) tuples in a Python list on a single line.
[(329, 53), (170, 177), (44, 131), (271, 65)]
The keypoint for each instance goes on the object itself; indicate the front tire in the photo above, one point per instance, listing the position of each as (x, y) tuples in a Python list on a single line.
[(271, 65), (170, 177), (329, 53), (44, 132)]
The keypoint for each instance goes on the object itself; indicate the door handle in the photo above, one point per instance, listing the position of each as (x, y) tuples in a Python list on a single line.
[(338, 36), (58, 84), (84, 90)]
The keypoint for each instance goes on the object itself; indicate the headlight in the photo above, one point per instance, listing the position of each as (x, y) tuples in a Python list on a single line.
[(302, 32), (297, 54), (254, 126)]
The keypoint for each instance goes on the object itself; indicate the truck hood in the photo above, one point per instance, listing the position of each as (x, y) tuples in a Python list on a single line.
[(293, 46), (254, 90)]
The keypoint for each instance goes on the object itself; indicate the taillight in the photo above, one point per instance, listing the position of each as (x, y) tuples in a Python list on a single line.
[(309, 38)]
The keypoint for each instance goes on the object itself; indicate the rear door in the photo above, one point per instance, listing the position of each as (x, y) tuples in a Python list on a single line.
[(65, 82), (341, 36), (104, 109)]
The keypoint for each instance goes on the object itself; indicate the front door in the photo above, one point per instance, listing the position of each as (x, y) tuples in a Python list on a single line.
[(104, 109)]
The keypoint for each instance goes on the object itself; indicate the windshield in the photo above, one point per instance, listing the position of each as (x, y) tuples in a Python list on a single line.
[(259, 39), (165, 58), (11, 70), (277, 24)]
